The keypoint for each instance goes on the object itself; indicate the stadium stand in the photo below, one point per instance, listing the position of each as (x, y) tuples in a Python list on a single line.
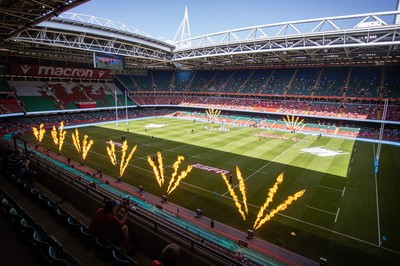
[(364, 82), (332, 81), (336, 98)]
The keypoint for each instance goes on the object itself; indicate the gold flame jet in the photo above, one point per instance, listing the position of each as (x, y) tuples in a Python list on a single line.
[(111, 153), (183, 174), (124, 160), (58, 138), (280, 208), (291, 123), (175, 166), (39, 133), (271, 194), (234, 197)]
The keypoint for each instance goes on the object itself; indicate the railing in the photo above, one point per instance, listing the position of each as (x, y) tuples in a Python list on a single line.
[(141, 210)]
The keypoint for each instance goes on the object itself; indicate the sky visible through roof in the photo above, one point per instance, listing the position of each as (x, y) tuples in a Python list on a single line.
[(161, 18)]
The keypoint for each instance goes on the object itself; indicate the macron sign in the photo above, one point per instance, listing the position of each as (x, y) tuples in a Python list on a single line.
[(61, 72)]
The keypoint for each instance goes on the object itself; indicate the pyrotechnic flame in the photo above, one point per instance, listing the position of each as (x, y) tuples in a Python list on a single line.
[(35, 132), (211, 113), (39, 133), (160, 166), (280, 208), (234, 197), (291, 123), (175, 166), (111, 153), (155, 170), (124, 160), (76, 141), (58, 139), (54, 135), (242, 188), (123, 166), (86, 146), (271, 194), (124, 147), (183, 174)]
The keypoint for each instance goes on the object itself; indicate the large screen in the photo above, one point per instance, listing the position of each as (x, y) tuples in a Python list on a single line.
[(108, 61)]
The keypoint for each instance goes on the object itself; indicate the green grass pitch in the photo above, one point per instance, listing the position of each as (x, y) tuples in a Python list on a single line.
[(341, 216)]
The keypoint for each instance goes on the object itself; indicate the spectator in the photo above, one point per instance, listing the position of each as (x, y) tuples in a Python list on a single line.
[(106, 225), (169, 256), (18, 166), (239, 256)]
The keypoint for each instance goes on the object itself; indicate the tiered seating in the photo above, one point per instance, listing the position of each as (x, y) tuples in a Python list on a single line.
[(392, 134), (267, 106), (201, 81), (4, 86), (348, 131), (219, 81), (367, 132), (391, 82), (332, 81), (9, 105), (393, 113), (33, 96), (266, 123), (279, 80), (359, 111), (42, 96), (279, 124), (162, 80), (364, 82), (324, 109), (257, 81), (128, 82), (304, 81), (182, 80), (144, 83), (318, 127), (236, 81), (46, 245), (293, 107)]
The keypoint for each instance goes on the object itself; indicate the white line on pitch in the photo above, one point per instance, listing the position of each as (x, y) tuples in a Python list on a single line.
[(265, 165), (320, 210), (330, 188), (337, 213), (253, 170), (344, 189), (349, 170)]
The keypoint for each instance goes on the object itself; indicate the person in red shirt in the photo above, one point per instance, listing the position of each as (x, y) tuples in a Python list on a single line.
[(106, 225)]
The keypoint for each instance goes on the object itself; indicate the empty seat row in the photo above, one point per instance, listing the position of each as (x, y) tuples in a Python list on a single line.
[(108, 251), (46, 245)]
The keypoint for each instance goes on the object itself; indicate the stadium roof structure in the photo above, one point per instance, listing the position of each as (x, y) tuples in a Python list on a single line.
[(364, 39), (357, 39), (17, 16)]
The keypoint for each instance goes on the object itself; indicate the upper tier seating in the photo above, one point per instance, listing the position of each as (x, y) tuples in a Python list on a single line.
[(332, 81), (391, 82), (182, 80), (279, 80), (304, 81), (364, 82)]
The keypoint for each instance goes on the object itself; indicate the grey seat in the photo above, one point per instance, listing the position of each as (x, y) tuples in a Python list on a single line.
[(55, 258), (122, 259)]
